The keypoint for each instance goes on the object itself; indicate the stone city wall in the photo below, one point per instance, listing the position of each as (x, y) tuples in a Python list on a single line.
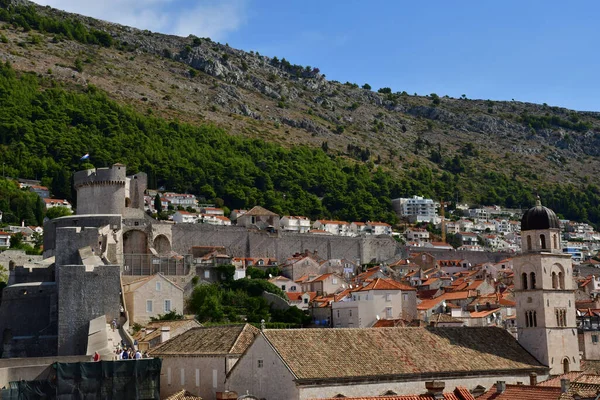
[(474, 257), (83, 296), (240, 242)]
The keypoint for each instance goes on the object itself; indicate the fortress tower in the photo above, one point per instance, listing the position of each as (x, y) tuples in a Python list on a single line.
[(544, 292), (101, 190)]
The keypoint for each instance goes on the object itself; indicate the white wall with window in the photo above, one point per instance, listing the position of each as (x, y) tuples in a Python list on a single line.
[(148, 298)]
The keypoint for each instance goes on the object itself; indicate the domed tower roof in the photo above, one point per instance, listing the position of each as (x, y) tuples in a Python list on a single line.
[(539, 217)]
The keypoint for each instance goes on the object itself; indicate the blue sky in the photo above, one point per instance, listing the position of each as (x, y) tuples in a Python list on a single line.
[(537, 51)]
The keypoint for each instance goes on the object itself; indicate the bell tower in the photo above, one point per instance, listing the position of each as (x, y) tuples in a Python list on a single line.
[(544, 291)]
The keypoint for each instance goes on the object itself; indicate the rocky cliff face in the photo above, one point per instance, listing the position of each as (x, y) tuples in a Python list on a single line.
[(198, 80)]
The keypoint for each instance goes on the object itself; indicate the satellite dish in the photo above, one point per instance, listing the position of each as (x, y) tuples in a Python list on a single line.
[(377, 317), (270, 276)]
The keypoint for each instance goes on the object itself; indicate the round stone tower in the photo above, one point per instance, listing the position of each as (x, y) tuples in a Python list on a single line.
[(101, 190)]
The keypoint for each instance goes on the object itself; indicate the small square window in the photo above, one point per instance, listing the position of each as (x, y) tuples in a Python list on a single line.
[(283, 287), (207, 274), (148, 306), (167, 306), (260, 363), (388, 312), (595, 339), (158, 286)]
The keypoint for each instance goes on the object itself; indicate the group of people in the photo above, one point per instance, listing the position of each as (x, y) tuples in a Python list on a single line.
[(124, 352), (128, 354)]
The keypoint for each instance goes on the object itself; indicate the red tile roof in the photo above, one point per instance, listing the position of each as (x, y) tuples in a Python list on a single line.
[(321, 278), (386, 284), (378, 224), (522, 392), (326, 222), (459, 393), (297, 296)]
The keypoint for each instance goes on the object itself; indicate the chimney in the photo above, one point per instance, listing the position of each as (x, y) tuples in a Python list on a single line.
[(533, 379), (165, 334), (564, 385), (23, 224), (500, 386), (143, 333), (435, 389)]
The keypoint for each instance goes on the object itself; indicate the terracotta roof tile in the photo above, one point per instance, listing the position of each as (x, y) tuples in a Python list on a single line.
[(459, 393), (156, 325), (386, 284), (321, 277), (221, 340), (259, 211), (522, 392), (183, 395), (321, 354)]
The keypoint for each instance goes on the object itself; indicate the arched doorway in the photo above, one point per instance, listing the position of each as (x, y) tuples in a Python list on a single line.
[(162, 245), (135, 242), (566, 366)]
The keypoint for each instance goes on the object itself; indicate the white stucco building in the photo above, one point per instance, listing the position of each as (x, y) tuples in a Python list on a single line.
[(296, 224), (380, 299), (416, 209)]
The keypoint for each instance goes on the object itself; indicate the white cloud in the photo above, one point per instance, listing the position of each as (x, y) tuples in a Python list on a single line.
[(203, 18)]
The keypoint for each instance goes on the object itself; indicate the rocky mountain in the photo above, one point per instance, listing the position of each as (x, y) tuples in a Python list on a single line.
[(197, 80)]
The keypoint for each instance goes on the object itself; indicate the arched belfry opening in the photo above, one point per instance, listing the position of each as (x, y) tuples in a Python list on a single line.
[(566, 368), (543, 241)]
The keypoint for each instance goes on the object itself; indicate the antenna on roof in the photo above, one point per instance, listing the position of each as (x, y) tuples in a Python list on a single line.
[(377, 316)]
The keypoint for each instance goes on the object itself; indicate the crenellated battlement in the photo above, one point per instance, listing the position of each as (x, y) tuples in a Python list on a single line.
[(114, 175), (101, 190)]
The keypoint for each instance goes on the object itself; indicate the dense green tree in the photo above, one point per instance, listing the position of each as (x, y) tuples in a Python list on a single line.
[(157, 203), (56, 212)]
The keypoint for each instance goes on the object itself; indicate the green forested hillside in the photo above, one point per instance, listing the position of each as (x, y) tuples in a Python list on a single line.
[(45, 129)]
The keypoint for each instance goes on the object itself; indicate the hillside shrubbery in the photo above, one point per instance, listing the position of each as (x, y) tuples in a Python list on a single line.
[(45, 129), (28, 18)]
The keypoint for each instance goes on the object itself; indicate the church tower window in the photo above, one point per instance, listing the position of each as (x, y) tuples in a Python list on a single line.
[(561, 280), (528, 242), (554, 281), (543, 241), (524, 280), (532, 280)]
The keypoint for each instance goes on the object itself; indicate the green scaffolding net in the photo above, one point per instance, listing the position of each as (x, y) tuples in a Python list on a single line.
[(127, 379)]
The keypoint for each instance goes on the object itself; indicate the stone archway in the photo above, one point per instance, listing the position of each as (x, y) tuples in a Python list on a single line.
[(162, 245), (135, 242)]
